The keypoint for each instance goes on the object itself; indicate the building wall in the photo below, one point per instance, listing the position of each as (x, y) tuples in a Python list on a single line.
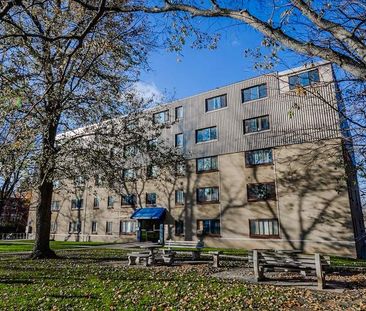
[(312, 202)]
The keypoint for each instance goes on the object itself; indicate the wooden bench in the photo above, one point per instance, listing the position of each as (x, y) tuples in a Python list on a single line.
[(195, 245), (289, 261), (134, 258)]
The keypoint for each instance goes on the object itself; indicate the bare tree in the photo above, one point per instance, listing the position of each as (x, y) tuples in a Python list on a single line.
[(68, 83)]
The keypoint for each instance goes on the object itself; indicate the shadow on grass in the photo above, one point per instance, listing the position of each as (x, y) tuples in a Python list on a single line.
[(73, 296), (16, 281)]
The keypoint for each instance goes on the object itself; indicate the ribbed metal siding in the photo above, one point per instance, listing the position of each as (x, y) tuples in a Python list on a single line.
[(314, 120)]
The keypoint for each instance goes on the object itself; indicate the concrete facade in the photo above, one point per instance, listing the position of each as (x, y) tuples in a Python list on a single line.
[(315, 206)]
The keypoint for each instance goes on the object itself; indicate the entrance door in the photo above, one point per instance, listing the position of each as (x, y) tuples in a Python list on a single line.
[(149, 230)]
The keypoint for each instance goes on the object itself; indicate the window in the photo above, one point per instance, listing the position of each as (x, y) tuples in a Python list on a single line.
[(304, 79), (215, 103), (179, 140), (150, 198), (206, 164), (258, 157), (256, 124), (127, 227), (97, 180), (53, 227), (206, 134), (79, 181), (130, 151), (94, 227), (180, 169), (179, 227), (263, 228), (261, 192), (110, 201), (131, 125), (152, 171), (161, 117), (128, 199), (179, 197), (129, 174), (208, 194), (208, 227), (75, 227), (254, 92), (108, 227), (56, 184), (152, 144), (96, 202), (77, 203), (179, 113), (55, 205)]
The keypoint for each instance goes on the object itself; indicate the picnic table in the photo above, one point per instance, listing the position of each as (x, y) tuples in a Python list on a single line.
[(152, 248)]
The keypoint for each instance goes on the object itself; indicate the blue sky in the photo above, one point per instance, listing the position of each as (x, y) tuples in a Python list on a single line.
[(199, 70)]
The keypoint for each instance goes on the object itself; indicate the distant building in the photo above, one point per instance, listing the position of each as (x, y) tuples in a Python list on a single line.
[(14, 215), (269, 165)]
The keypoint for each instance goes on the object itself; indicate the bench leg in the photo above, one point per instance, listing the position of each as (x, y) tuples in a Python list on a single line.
[(131, 260), (147, 262), (151, 259), (258, 271), (216, 261), (196, 255), (319, 272)]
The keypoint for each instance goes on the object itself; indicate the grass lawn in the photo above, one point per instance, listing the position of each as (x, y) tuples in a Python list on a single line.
[(9, 246), (84, 280)]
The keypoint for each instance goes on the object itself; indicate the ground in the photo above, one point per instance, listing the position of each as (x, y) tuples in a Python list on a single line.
[(98, 279)]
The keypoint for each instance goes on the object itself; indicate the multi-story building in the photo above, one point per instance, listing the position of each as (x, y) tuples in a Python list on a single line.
[(269, 165)]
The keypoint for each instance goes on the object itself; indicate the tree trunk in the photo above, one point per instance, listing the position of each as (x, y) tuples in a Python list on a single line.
[(41, 247), (43, 223)]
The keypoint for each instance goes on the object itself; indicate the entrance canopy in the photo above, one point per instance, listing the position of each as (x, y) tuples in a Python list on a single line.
[(156, 213)]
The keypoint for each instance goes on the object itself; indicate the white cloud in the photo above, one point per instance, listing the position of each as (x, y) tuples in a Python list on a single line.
[(148, 91)]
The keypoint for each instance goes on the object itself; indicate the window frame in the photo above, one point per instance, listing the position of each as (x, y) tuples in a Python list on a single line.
[(53, 227), (208, 202), (264, 236), (123, 202), (271, 198), (107, 224), (96, 199), (253, 87), (55, 206), (152, 171), (131, 178), (96, 227), (151, 204), (207, 128), (110, 201), (122, 221), (258, 131), (292, 86), (176, 109), (176, 196), (211, 98), (200, 231), (77, 204), (210, 170), (166, 112), (175, 140), (247, 164)]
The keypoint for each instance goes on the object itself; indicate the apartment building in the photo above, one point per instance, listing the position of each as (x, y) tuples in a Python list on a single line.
[(267, 166)]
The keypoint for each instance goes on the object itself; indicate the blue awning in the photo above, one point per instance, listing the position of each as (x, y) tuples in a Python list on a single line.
[(149, 213)]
